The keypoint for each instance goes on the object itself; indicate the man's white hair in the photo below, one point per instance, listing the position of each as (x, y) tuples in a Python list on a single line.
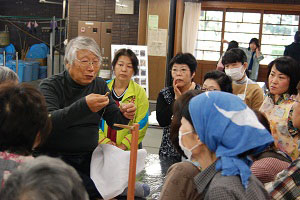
[(80, 43)]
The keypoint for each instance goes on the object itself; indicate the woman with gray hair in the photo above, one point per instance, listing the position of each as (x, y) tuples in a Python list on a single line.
[(77, 99), (44, 178), (7, 74)]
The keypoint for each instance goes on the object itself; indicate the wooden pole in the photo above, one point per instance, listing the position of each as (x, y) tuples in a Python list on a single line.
[(133, 160)]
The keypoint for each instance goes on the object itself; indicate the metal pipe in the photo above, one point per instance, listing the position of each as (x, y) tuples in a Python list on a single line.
[(64, 9), (4, 58), (50, 2), (17, 62)]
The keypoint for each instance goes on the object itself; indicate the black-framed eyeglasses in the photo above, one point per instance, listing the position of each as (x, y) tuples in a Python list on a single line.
[(181, 71), (86, 63)]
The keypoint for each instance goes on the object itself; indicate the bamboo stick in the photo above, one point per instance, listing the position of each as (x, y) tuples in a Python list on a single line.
[(133, 160)]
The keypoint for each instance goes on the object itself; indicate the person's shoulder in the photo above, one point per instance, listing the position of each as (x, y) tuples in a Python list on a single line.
[(54, 79), (232, 185), (185, 169), (99, 80)]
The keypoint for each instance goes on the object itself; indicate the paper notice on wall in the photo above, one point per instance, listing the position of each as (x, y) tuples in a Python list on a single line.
[(157, 42), (153, 22)]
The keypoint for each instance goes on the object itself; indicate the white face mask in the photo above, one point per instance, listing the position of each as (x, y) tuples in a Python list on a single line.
[(235, 73), (187, 152)]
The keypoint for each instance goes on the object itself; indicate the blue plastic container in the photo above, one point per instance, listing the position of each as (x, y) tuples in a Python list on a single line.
[(43, 72), (21, 68), (35, 70), (28, 71)]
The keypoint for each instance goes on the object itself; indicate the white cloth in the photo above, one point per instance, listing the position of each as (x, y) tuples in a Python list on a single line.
[(190, 26), (110, 169)]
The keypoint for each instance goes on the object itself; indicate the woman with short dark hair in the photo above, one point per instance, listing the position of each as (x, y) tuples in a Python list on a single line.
[(254, 56), (24, 124), (283, 76), (183, 67), (217, 80), (124, 90)]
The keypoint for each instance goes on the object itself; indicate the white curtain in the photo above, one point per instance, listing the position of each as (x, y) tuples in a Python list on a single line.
[(190, 26)]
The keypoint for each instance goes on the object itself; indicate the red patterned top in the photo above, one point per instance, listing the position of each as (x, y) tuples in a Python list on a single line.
[(8, 162)]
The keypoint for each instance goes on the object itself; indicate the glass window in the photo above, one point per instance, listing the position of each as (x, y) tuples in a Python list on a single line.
[(278, 31), (241, 27), (209, 35), (234, 17), (209, 45), (272, 18), (251, 17), (210, 26), (241, 38), (207, 55)]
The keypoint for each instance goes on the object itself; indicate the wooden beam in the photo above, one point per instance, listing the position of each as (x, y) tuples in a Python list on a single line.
[(142, 22), (250, 6), (178, 26)]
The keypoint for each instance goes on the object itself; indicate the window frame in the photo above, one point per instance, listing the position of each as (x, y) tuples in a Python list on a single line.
[(251, 8)]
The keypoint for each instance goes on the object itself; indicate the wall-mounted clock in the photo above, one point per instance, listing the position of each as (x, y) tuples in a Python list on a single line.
[(124, 7)]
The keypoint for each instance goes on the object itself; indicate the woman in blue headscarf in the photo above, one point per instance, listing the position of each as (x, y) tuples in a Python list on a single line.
[(219, 131)]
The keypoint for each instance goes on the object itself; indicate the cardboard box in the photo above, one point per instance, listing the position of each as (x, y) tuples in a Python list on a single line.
[(101, 32)]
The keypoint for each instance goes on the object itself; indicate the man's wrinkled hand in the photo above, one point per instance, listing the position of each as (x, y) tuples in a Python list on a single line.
[(96, 101), (128, 110)]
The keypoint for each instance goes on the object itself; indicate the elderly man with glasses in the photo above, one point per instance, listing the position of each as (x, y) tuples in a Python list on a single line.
[(77, 99)]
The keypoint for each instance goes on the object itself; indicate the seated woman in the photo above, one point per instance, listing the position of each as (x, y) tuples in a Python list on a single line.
[(7, 74), (217, 80), (24, 124), (44, 178), (283, 76), (270, 162), (124, 90), (183, 68), (217, 137), (286, 184)]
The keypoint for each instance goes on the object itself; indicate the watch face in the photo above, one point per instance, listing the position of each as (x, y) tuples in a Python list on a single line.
[(124, 7)]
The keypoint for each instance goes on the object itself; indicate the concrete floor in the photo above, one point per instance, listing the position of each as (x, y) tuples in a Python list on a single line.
[(152, 139)]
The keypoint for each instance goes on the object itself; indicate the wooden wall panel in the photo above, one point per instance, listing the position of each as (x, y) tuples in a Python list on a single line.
[(157, 74), (157, 64)]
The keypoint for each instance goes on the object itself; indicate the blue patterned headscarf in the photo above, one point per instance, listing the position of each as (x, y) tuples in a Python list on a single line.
[(229, 128)]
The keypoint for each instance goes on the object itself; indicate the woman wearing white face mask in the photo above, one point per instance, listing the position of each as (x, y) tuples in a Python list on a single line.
[(221, 150), (235, 62)]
